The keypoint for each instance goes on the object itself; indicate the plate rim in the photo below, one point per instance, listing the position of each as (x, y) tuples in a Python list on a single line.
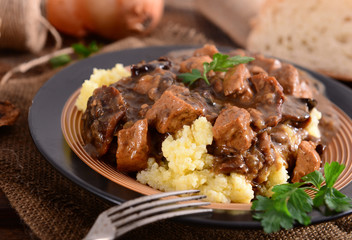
[(116, 199)]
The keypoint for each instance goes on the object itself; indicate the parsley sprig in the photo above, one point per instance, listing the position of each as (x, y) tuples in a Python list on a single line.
[(220, 63), (290, 202), (85, 51), (79, 49)]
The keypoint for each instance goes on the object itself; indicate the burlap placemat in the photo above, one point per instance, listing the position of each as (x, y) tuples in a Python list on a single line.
[(55, 208)]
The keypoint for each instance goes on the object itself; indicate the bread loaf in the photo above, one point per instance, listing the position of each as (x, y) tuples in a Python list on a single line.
[(316, 34)]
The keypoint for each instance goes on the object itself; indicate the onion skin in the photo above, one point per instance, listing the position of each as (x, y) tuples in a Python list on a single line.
[(63, 15), (112, 19)]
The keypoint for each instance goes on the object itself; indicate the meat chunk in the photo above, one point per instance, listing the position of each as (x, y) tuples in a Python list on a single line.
[(104, 110), (288, 77), (235, 80), (308, 160), (268, 64), (296, 110), (207, 50), (266, 147), (269, 98), (238, 52), (305, 90), (133, 147), (217, 84), (146, 82), (267, 155), (175, 108), (258, 121), (194, 63), (230, 164), (253, 69), (167, 79), (232, 129), (307, 86)]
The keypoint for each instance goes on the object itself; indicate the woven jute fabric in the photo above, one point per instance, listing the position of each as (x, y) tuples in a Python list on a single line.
[(55, 208)]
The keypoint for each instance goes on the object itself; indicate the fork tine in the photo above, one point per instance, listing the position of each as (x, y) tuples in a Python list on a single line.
[(145, 206), (144, 199), (156, 210), (123, 230), (142, 211)]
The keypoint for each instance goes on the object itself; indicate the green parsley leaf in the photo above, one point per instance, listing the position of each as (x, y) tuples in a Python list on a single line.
[(273, 215), (190, 78), (299, 204), (290, 202), (319, 197), (283, 191), (316, 178), (81, 50), (337, 201), (220, 63), (84, 51), (334, 200), (60, 60), (332, 172)]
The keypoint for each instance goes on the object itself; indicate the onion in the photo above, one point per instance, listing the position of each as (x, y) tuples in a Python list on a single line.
[(112, 19), (63, 15)]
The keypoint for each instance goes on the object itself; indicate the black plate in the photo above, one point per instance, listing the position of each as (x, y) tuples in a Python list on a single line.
[(44, 123)]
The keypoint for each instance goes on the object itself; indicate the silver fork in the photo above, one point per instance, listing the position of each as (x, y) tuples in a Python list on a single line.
[(118, 220)]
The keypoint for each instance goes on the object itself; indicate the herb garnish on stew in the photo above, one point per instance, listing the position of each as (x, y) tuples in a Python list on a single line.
[(220, 63), (290, 202)]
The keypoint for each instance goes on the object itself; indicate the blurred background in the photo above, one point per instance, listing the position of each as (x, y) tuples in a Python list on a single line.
[(34, 28), (316, 34)]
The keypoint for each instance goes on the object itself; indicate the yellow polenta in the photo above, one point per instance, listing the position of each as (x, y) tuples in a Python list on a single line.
[(189, 167)]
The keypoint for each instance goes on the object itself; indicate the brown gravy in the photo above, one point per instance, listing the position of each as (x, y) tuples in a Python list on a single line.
[(247, 109)]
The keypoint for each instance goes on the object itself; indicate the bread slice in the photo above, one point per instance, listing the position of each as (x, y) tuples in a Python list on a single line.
[(316, 34)]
